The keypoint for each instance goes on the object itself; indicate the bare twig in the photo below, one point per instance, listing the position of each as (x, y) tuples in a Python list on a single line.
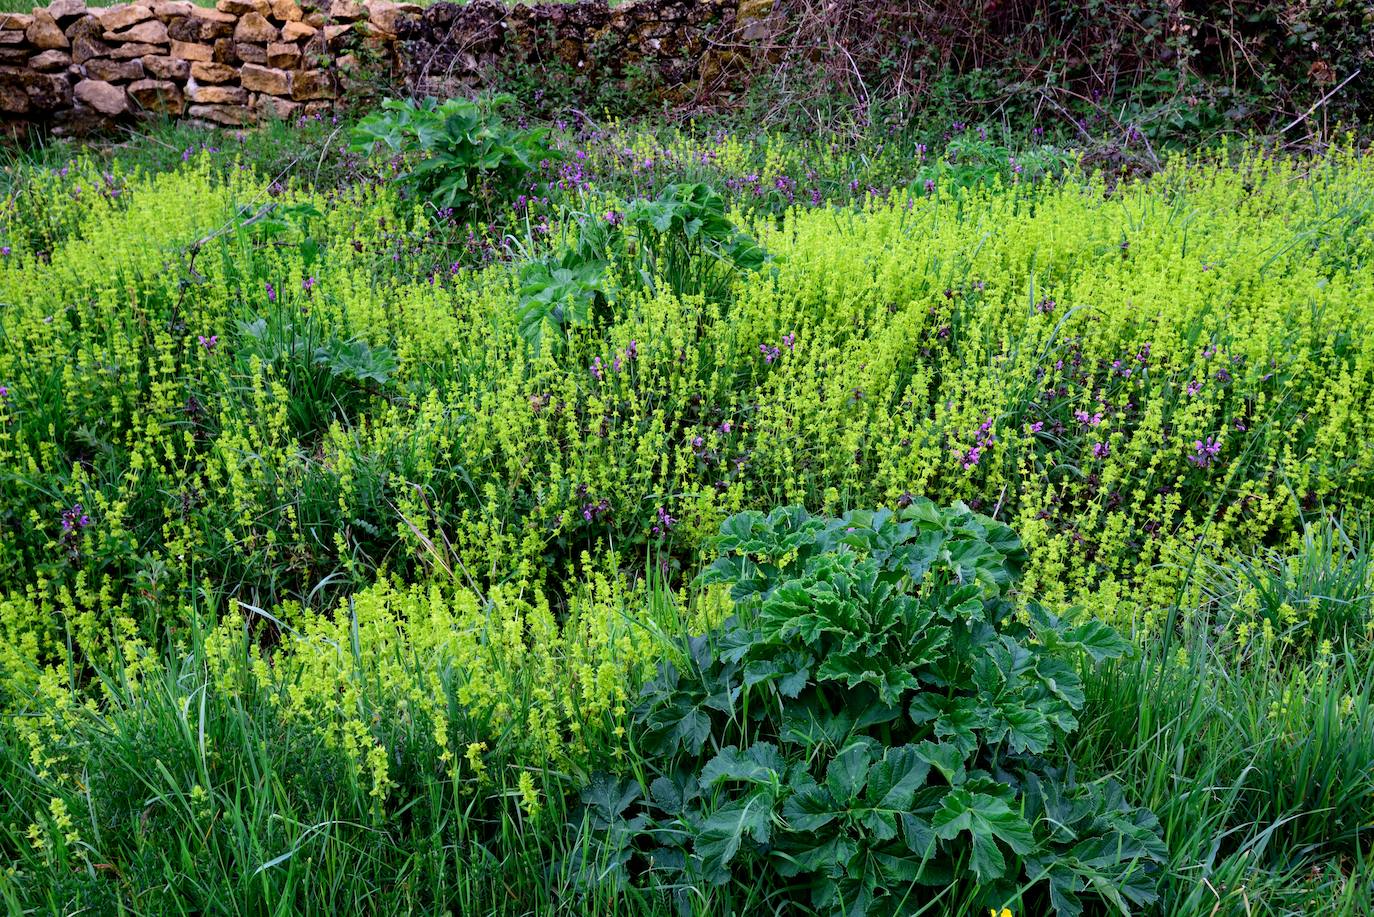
[(1319, 103)]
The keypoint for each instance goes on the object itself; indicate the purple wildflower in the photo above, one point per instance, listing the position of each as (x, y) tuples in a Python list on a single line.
[(1101, 450), (308, 284), (1085, 418), (271, 292), (1194, 387), (665, 522), (209, 343), (597, 372), (75, 518), (1205, 452), (770, 353)]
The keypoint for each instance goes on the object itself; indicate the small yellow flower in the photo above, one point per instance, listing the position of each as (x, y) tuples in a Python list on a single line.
[(1005, 912)]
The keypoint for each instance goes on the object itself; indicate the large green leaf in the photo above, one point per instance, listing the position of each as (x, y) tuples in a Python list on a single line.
[(987, 820)]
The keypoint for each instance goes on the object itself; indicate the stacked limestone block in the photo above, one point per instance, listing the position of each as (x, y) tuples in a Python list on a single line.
[(231, 65)]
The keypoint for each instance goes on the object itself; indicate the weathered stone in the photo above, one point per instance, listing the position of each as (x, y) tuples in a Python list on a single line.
[(195, 29), (333, 32), (50, 61), (283, 55), (311, 84), (103, 97), (286, 11), (167, 68), (227, 115), (23, 90), (171, 9), (114, 71), (346, 10), (48, 91), (151, 31), (251, 54), (157, 95), (209, 15), (17, 22), (62, 10), (226, 52), (239, 7), (14, 99), (384, 15), (208, 72), (43, 32), (317, 19), (216, 95), (272, 107), (265, 79), (253, 27), (185, 50), (11, 56), (121, 17), (12, 38), (85, 27), (135, 49), (295, 31), (83, 49)]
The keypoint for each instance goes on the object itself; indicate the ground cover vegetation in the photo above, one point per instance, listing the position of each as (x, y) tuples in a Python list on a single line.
[(443, 512)]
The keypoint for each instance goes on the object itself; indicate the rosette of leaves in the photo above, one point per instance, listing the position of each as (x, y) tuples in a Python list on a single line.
[(685, 238), (876, 724), (568, 288), (461, 154)]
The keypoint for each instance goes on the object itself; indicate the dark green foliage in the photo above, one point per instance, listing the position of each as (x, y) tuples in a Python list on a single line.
[(682, 239), (327, 376), (462, 155), (686, 240), (875, 723)]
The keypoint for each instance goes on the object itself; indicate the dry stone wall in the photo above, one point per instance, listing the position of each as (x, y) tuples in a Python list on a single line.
[(75, 67), (680, 47)]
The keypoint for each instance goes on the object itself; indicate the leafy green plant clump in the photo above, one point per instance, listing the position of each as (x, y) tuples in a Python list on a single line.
[(875, 724), (462, 155), (683, 241)]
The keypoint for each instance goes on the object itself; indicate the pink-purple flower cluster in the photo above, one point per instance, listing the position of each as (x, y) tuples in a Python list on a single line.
[(75, 518), (664, 523), (771, 352), (1205, 452), (982, 439)]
